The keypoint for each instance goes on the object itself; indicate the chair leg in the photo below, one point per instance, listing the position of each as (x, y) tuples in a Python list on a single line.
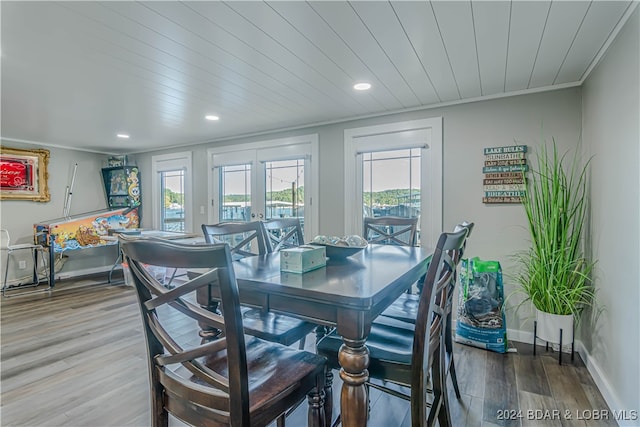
[(444, 417), (316, 414), (448, 341), (302, 343), (440, 407), (328, 396), (454, 378)]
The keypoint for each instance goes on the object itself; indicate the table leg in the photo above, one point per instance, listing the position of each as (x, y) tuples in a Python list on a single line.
[(52, 266), (208, 333), (354, 399)]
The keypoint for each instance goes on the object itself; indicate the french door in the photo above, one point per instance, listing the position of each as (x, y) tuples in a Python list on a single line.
[(395, 169), (272, 179)]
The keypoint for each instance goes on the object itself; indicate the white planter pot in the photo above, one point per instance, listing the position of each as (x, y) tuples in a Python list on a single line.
[(549, 326)]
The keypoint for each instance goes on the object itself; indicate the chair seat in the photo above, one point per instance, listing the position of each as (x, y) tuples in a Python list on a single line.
[(274, 327), (390, 345), (269, 326), (404, 308), (235, 380), (272, 369)]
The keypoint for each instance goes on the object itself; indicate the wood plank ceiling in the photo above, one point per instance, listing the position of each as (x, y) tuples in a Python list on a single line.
[(77, 73)]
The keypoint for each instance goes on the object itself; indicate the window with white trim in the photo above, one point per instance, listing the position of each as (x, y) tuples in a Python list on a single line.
[(172, 192), (400, 161)]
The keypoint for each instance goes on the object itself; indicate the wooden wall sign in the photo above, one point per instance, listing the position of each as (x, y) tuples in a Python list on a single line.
[(504, 169), (23, 174)]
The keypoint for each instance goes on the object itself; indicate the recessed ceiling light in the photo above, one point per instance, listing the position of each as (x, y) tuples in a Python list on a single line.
[(362, 86), (212, 117), (123, 136)]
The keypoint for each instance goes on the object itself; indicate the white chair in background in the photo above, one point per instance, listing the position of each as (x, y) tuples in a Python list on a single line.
[(6, 246)]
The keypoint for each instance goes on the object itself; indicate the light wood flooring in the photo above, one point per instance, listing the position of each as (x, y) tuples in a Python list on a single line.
[(76, 357)]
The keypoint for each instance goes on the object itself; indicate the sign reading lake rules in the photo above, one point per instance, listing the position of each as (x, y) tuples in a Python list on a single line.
[(504, 169)]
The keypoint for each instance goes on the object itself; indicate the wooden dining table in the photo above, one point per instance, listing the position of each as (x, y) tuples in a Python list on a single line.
[(348, 293)]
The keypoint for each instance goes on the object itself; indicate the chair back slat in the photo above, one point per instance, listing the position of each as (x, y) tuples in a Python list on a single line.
[(284, 233), (391, 230), (244, 238), (163, 348)]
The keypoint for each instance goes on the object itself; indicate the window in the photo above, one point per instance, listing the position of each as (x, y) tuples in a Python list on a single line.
[(395, 169), (285, 189), (235, 188), (172, 207), (171, 192), (391, 183)]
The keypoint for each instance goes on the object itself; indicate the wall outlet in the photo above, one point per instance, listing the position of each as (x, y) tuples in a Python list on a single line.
[(22, 264), (201, 210)]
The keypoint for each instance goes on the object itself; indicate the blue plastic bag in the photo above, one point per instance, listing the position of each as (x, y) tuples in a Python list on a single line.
[(481, 321)]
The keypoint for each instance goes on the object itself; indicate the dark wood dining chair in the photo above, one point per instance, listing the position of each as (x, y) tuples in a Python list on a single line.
[(391, 230), (249, 239), (284, 233), (244, 238), (235, 380), (414, 355), (405, 309)]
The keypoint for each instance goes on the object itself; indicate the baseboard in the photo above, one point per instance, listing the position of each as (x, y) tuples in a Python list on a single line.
[(619, 412), (520, 336)]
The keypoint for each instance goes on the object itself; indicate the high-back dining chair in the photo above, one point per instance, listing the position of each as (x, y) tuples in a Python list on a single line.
[(391, 230), (405, 309), (283, 233), (235, 380), (249, 239), (244, 238), (413, 355)]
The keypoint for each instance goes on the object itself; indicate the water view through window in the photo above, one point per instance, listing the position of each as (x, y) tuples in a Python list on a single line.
[(284, 191), (391, 184), (172, 189), (235, 189)]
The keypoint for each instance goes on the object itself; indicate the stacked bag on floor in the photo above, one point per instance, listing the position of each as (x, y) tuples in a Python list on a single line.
[(481, 320)]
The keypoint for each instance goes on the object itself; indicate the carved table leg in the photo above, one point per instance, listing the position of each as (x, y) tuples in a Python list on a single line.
[(354, 399), (208, 333)]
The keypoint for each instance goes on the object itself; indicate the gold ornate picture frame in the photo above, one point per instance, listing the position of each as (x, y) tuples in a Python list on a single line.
[(24, 175)]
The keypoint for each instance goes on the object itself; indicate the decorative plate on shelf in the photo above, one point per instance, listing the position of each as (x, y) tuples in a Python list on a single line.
[(340, 247)]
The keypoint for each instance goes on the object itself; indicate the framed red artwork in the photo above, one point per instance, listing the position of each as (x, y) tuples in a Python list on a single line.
[(23, 174)]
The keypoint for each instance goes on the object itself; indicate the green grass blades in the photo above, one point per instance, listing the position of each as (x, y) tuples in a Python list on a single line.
[(555, 275)]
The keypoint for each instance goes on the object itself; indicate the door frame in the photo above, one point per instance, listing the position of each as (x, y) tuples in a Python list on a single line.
[(431, 174), (277, 149)]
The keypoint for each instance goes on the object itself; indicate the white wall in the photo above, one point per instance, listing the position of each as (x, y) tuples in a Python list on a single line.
[(467, 129), (610, 124)]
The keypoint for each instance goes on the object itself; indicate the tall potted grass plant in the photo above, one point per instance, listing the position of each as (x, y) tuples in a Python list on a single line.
[(555, 274)]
